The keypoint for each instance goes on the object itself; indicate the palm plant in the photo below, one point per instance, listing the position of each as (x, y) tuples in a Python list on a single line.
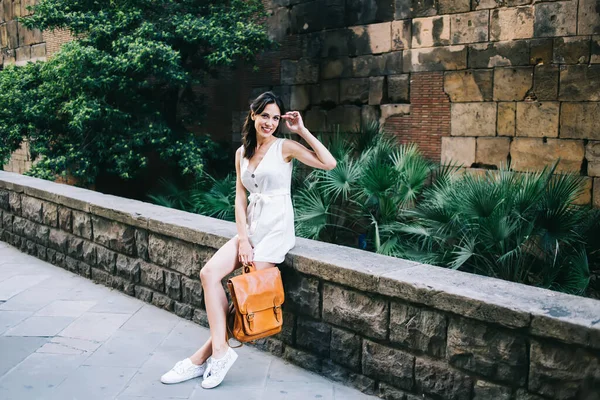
[(521, 227)]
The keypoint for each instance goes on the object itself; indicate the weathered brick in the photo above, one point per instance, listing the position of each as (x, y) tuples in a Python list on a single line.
[(545, 82), (366, 11), (541, 51), (314, 336), (335, 43), (529, 154), (572, 50), (401, 35), (492, 151), (347, 118), (436, 378), (588, 18), (327, 92), (50, 214), (152, 276), (398, 88), (389, 365), (370, 39), (471, 27), (307, 360), (301, 293), (143, 293), (106, 259), (429, 32), (355, 311), (367, 66), (82, 224), (435, 59), (512, 84), (458, 150), (473, 119), (468, 85), (163, 301), (580, 83), (580, 121), (418, 329), (345, 348), (506, 119), (595, 50), (369, 114), (300, 97), (354, 90), (65, 219), (331, 69), (173, 285), (128, 268), (537, 119), (114, 235), (376, 90), (511, 23), (555, 19)]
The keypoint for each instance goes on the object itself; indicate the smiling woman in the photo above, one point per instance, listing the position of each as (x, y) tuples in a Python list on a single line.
[(265, 226)]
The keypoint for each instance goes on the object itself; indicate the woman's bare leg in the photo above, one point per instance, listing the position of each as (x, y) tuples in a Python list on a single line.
[(221, 264)]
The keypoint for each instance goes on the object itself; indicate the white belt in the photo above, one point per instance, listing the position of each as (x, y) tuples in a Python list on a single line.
[(257, 202)]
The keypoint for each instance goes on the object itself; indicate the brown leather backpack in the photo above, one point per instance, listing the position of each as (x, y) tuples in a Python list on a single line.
[(256, 297)]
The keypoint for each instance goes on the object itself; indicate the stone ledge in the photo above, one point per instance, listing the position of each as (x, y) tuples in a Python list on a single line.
[(544, 313)]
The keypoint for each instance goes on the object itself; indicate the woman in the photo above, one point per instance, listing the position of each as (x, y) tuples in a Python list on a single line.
[(265, 226)]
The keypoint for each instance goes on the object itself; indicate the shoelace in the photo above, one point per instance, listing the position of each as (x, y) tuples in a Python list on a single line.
[(217, 365)]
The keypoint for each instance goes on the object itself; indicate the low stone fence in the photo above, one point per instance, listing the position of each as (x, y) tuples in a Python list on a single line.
[(387, 326)]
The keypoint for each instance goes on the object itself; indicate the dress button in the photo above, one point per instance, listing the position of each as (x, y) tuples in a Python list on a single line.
[(256, 184), (253, 175)]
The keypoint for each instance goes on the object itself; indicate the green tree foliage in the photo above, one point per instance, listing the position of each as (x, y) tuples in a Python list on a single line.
[(106, 100)]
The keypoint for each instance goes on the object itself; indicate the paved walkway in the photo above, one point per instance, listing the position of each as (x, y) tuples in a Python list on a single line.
[(63, 337)]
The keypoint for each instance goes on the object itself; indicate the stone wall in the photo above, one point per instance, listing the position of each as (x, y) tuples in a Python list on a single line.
[(479, 82), (386, 326)]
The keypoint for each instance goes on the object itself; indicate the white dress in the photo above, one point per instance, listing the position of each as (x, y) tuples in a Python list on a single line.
[(270, 216)]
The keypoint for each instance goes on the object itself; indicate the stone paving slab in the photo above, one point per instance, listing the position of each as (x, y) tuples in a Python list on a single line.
[(64, 337)]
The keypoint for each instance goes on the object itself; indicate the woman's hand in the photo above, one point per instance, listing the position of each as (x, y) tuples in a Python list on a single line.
[(245, 251), (293, 120)]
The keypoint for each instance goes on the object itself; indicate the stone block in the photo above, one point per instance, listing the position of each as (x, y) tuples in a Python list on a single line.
[(356, 311), (143, 293), (3, 35), (390, 110), (300, 97), (12, 32), (19, 225), (435, 59), (473, 119), (370, 39), (595, 50), (388, 365), (470, 27), (301, 293), (317, 15), (31, 208), (580, 121), (29, 36), (592, 155), (57, 240), (23, 55), (152, 276), (331, 69), (314, 336), (26, 5), (183, 310), (588, 17), (345, 348), (512, 84), (393, 63), (114, 235), (435, 378), (398, 88), (468, 85), (541, 51), (492, 151), (355, 90), (585, 198), (89, 253), (415, 8), (401, 34), (360, 12), (497, 354), (163, 301), (141, 244), (106, 259), (555, 19), (192, 291), (288, 334), (485, 390), (50, 214), (128, 268), (278, 23), (178, 255), (335, 43), (458, 150), (367, 66), (326, 93), (572, 50), (596, 193), (432, 31), (453, 6), (537, 119), (316, 118), (100, 276), (545, 82), (487, 4), (506, 119), (65, 219), (418, 329), (75, 247), (82, 224), (369, 114), (41, 235), (511, 23), (580, 83), (307, 360), (498, 54), (302, 71), (338, 373), (347, 118), (173, 285), (562, 372), (376, 90), (534, 154)]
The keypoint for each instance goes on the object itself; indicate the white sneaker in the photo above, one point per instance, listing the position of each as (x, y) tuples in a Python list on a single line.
[(219, 368), (207, 369), (183, 371)]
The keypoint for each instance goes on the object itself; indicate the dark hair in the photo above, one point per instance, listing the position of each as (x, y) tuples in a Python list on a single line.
[(249, 131)]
